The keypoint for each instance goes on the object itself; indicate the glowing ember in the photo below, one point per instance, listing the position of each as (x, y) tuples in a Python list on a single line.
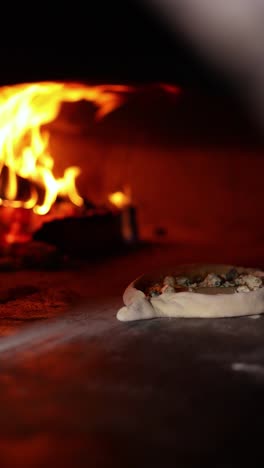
[(119, 199), (24, 152)]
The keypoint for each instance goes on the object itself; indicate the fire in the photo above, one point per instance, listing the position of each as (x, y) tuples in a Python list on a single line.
[(24, 145), (121, 199)]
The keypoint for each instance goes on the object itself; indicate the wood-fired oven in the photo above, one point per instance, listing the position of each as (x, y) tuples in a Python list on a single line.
[(166, 166)]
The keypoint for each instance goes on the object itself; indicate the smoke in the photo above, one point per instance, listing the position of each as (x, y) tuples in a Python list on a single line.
[(229, 33)]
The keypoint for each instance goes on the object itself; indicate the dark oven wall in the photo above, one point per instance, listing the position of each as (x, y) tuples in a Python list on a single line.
[(111, 42), (194, 163)]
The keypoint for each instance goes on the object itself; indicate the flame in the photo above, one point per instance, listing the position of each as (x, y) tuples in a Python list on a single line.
[(24, 146), (121, 199)]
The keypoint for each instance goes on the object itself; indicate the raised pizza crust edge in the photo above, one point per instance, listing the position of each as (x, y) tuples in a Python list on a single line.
[(188, 304)]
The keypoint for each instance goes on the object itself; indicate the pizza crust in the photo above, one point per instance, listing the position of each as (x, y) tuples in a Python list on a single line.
[(188, 304)]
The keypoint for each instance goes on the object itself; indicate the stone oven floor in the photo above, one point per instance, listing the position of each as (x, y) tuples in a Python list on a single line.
[(78, 388)]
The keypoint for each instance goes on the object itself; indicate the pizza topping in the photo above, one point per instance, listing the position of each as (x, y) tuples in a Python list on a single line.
[(251, 281), (230, 283), (212, 280), (231, 275), (169, 281), (182, 281), (155, 290), (167, 289)]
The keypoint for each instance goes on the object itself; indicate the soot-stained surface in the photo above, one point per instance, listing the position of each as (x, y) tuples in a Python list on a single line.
[(79, 388)]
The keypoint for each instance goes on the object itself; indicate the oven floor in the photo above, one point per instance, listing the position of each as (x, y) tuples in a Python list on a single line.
[(78, 388)]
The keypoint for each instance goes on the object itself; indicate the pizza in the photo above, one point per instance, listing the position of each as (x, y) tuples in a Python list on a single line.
[(189, 291)]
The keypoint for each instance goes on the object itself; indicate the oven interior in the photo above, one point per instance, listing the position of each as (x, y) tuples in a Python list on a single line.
[(170, 175)]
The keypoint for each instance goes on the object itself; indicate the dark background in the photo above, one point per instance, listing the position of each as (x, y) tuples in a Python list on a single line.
[(105, 41)]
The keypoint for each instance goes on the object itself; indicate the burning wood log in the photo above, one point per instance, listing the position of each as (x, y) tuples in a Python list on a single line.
[(86, 236)]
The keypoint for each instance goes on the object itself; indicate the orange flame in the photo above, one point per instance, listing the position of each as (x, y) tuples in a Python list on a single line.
[(121, 199), (118, 199), (24, 109)]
